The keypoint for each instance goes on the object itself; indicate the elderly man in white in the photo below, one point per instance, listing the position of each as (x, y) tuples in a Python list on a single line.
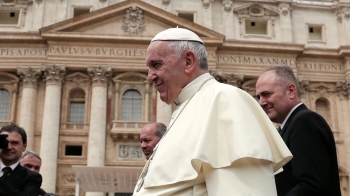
[(219, 141)]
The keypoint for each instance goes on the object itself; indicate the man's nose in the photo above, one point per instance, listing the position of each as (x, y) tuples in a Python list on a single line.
[(262, 101), (151, 75), (143, 144)]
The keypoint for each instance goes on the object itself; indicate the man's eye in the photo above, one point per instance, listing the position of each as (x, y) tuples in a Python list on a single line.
[(157, 66)]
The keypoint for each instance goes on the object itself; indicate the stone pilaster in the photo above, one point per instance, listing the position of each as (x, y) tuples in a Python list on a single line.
[(286, 22), (100, 77), (227, 13), (207, 13), (54, 77), (343, 21), (29, 80)]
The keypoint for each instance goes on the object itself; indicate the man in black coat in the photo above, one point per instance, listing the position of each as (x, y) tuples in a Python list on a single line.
[(313, 171), (16, 180), (32, 161)]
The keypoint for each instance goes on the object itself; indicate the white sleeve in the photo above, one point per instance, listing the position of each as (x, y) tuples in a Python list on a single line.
[(247, 176)]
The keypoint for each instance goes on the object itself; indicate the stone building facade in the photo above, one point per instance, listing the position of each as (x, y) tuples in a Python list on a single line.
[(73, 73)]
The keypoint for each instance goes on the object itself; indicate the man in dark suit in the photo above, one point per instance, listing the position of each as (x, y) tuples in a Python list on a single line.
[(16, 180), (313, 171), (32, 161)]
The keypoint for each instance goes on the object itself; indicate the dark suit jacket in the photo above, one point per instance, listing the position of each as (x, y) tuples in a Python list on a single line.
[(21, 182), (313, 171)]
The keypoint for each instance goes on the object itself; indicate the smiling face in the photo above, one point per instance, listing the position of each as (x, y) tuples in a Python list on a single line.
[(14, 150), (148, 139), (165, 70), (275, 99)]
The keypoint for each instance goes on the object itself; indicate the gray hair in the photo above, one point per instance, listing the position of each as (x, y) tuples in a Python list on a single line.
[(160, 130), (285, 76), (29, 153), (180, 47)]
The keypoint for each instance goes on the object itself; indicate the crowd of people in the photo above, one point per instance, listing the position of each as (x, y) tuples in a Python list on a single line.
[(220, 140)]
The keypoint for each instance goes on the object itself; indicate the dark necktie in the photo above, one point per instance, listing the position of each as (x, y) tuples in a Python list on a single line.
[(6, 171), (279, 129)]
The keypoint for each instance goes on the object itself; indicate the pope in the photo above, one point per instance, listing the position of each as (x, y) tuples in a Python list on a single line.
[(219, 141)]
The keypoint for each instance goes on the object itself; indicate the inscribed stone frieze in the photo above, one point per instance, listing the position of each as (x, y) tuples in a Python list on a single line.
[(141, 53)]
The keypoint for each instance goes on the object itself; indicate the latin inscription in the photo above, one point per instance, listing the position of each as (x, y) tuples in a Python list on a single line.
[(96, 51), (236, 59), (34, 52), (126, 52)]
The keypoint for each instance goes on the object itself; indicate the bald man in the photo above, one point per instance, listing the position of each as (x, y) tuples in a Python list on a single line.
[(150, 136)]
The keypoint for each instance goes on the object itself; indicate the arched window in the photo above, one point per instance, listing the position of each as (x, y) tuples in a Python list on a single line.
[(77, 106), (5, 102), (322, 108), (132, 106)]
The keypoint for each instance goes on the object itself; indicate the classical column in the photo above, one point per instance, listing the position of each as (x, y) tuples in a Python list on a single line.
[(54, 77), (100, 77), (207, 13), (164, 111), (29, 78)]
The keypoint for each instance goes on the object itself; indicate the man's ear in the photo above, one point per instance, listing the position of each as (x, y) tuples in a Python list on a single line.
[(24, 147), (292, 90), (190, 61)]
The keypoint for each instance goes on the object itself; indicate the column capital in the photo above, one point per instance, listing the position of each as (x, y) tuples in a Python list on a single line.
[(29, 76), (232, 79), (303, 84), (54, 74), (343, 88), (100, 75)]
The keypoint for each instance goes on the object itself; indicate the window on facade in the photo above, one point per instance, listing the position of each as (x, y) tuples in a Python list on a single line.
[(315, 33), (77, 106), (9, 17), (256, 27), (132, 106), (5, 101), (8, 1), (73, 150), (80, 11), (187, 16), (76, 112)]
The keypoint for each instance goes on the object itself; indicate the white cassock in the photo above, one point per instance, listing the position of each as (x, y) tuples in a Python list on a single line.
[(220, 142)]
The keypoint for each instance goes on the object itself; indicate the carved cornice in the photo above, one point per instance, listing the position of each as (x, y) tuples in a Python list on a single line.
[(342, 13), (16, 2), (165, 2), (78, 79), (133, 22), (68, 178), (100, 75), (322, 89), (256, 10), (54, 74), (285, 9), (343, 88), (29, 76), (206, 3), (232, 79), (227, 5)]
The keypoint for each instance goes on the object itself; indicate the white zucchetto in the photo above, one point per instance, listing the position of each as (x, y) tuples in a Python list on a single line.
[(177, 34)]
